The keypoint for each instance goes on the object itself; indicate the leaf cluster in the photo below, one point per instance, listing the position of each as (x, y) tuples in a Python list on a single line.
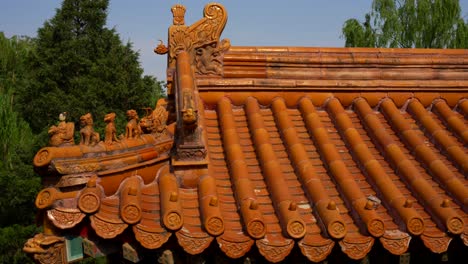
[(18, 183), (409, 24), (12, 240)]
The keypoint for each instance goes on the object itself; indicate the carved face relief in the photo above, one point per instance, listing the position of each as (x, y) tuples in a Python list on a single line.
[(200, 40), (206, 59)]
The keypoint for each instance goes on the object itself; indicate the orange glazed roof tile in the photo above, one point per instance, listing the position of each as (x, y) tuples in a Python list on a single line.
[(281, 147)]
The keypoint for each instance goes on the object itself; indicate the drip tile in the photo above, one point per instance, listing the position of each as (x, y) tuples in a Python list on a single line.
[(315, 247), (395, 241), (275, 248)]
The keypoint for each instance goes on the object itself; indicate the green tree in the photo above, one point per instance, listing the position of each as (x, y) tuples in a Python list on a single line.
[(18, 182), (81, 66), (12, 239), (16, 138), (409, 24)]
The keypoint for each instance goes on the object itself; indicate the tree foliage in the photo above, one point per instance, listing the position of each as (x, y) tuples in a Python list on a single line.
[(12, 240), (18, 182), (81, 66), (16, 138), (409, 24)]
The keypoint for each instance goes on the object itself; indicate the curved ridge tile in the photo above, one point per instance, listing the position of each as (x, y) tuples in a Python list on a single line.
[(316, 248), (274, 249), (437, 168), (395, 241), (451, 119), (343, 177), (436, 242), (408, 171), (393, 197), (242, 186), (330, 217), (356, 246), (441, 137), (286, 208), (234, 247)]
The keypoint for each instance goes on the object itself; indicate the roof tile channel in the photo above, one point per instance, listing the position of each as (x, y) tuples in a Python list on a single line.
[(327, 210), (234, 241), (437, 168), (243, 188), (452, 120), (274, 246), (319, 166), (212, 219), (440, 135), (463, 107), (392, 196), (294, 186), (150, 231), (405, 167), (107, 222), (286, 208), (233, 233), (316, 244), (343, 177), (192, 237)]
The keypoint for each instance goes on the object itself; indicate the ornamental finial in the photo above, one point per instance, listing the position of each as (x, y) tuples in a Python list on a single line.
[(178, 13)]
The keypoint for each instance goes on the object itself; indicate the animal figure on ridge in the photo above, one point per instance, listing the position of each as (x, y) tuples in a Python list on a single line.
[(132, 130), (89, 137), (111, 132)]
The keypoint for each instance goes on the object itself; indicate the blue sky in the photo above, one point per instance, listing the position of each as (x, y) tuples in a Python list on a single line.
[(250, 23)]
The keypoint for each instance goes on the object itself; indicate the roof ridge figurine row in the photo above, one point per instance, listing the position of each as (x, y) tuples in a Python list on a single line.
[(153, 123)]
